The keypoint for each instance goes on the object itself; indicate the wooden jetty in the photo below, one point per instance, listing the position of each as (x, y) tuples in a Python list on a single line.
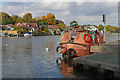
[(106, 61)]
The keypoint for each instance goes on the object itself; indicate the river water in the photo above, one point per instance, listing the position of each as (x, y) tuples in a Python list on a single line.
[(26, 57)]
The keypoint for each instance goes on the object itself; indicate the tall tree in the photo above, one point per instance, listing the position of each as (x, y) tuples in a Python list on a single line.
[(5, 19), (50, 19), (19, 20), (27, 18), (40, 22), (14, 18)]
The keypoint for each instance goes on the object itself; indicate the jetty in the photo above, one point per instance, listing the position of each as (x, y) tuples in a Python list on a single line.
[(106, 62)]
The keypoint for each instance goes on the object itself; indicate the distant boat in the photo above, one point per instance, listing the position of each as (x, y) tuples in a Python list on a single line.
[(27, 34), (4, 34)]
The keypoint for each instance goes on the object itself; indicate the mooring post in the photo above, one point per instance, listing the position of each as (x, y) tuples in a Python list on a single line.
[(104, 20)]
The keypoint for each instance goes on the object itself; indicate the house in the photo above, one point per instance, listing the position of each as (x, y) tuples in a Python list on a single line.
[(31, 27), (52, 28), (18, 24), (8, 27)]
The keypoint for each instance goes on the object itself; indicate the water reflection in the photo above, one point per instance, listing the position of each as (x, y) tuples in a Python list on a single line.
[(68, 71), (66, 68), (27, 58)]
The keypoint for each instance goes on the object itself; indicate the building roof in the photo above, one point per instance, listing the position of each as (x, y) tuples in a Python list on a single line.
[(32, 25), (52, 26)]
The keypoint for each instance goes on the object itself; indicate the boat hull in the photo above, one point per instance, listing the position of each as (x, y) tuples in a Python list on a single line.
[(80, 49)]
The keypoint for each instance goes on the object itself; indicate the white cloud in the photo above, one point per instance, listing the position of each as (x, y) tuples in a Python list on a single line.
[(60, 1), (51, 5), (79, 3), (66, 12), (84, 13)]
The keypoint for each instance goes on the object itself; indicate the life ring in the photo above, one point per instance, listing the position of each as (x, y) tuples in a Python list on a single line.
[(89, 38), (69, 55)]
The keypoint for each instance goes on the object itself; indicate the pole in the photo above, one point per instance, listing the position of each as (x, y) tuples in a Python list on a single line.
[(104, 20), (104, 30)]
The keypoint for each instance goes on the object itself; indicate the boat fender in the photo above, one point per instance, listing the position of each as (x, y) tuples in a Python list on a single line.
[(89, 38), (69, 53), (58, 48)]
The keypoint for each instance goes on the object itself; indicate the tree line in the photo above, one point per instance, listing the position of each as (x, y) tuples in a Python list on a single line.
[(49, 19), (101, 27)]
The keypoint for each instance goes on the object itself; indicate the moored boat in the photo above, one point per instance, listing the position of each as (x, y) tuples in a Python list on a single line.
[(27, 34), (77, 41)]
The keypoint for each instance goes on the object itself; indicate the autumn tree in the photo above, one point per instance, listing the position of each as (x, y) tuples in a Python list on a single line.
[(44, 18), (27, 18), (45, 30), (33, 20), (50, 19)]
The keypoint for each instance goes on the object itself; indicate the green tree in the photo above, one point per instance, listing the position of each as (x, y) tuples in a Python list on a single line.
[(54, 32), (14, 18), (61, 26), (27, 18), (40, 22), (16, 28), (73, 22), (19, 20), (42, 27), (5, 19), (101, 27), (59, 21)]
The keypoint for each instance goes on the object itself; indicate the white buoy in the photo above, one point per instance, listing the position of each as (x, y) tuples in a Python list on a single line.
[(6, 45)]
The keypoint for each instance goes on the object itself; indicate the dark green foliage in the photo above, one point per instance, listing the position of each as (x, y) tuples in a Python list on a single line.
[(16, 28), (101, 27), (42, 27), (73, 22), (41, 22), (15, 18), (5, 19), (27, 18)]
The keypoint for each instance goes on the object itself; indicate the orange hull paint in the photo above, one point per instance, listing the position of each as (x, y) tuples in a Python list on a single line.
[(78, 43)]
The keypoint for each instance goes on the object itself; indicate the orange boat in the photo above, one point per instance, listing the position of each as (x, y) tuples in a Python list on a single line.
[(77, 41)]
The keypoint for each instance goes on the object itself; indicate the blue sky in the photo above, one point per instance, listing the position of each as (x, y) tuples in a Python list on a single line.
[(82, 12)]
